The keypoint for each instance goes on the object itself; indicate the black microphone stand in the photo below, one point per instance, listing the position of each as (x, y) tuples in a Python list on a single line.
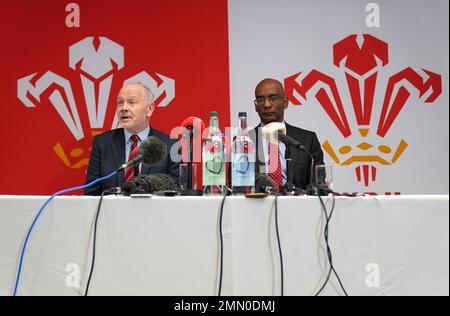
[(191, 157), (289, 188), (189, 189), (287, 156)]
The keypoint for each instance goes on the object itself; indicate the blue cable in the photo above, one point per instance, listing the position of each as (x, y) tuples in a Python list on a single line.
[(24, 247)]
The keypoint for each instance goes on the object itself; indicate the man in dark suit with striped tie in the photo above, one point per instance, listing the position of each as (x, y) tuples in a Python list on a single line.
[(135, 106), (270, 104)]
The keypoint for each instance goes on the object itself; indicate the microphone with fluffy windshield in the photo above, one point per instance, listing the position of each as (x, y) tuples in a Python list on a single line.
[(276, 133), (151, 152), (145, 184), (160, 182), (264, 184)]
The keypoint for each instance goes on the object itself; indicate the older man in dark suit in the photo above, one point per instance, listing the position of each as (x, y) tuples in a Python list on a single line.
[(270, 103), (110, 150)]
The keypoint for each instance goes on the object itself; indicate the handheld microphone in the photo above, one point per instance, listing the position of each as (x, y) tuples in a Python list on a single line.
[(160, 182), (290, 189), (146, 184), (137, 186), (128, 188), (264, 184), (151, 152)]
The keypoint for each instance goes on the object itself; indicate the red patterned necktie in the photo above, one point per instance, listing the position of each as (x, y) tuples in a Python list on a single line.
[(275, 165), (130, 171)]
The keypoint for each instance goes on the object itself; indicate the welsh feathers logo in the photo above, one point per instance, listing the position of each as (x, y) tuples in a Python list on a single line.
[(362, 61), (97, 62)]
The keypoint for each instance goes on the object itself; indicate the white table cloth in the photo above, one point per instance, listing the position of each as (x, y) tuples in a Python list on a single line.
[(170, 246)]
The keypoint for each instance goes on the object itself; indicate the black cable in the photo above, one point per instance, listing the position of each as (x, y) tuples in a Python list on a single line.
[(329, 256), (334, 270), (221, 242), (94, 244), (329, 253), (279, 244)]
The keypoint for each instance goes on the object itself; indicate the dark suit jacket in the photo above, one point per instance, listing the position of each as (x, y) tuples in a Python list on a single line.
[(299, 168), (108, 154)]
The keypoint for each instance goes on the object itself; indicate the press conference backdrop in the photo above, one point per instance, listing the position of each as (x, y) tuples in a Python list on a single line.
[(371, 78)]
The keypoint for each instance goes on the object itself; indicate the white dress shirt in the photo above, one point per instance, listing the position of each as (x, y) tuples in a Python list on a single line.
[(128, 142)]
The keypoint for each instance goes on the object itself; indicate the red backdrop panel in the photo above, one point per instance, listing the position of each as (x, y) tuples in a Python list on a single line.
[(185, 40)]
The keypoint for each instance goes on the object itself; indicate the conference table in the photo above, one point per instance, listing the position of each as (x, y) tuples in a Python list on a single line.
[(381, 245)]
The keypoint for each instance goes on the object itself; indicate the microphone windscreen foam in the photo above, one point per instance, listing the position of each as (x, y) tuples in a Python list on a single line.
[(269, 131), (262, 180), (152, 150), (128, 188), (141, 184), (160, 182)]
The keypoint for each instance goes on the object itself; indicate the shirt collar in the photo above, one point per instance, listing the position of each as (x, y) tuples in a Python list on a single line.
[(261, 124), (142, 135)]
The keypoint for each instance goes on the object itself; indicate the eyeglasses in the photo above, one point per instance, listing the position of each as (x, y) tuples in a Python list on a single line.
[(273, 99)]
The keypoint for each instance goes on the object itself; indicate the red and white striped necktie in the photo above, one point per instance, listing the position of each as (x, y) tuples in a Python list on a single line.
[(131, 170), (275, 165)]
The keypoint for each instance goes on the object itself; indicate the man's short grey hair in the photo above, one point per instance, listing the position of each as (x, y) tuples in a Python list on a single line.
[(149, 97)]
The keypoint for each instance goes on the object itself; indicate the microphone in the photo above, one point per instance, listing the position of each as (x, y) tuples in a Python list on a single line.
[(127, 188), (137, 186), (192, 128), (151, 152), (290, 189), (143, 184), (271, 130), (264, 184), (289, 141), (193, 122), (191, 150), (276, 133), (160, 182)]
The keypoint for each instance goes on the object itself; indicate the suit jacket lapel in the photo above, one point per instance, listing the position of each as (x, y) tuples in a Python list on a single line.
[(256, 137), (145, 169), (118, 150), (294, 155)]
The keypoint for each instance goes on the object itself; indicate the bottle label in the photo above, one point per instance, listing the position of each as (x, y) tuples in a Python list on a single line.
[(243, 170), (214, 172)]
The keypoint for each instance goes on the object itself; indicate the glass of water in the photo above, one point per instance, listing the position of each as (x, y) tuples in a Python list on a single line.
[(323, 176)]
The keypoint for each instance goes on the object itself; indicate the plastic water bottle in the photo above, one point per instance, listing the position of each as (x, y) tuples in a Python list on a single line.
[(243, 159), (214, 168)]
